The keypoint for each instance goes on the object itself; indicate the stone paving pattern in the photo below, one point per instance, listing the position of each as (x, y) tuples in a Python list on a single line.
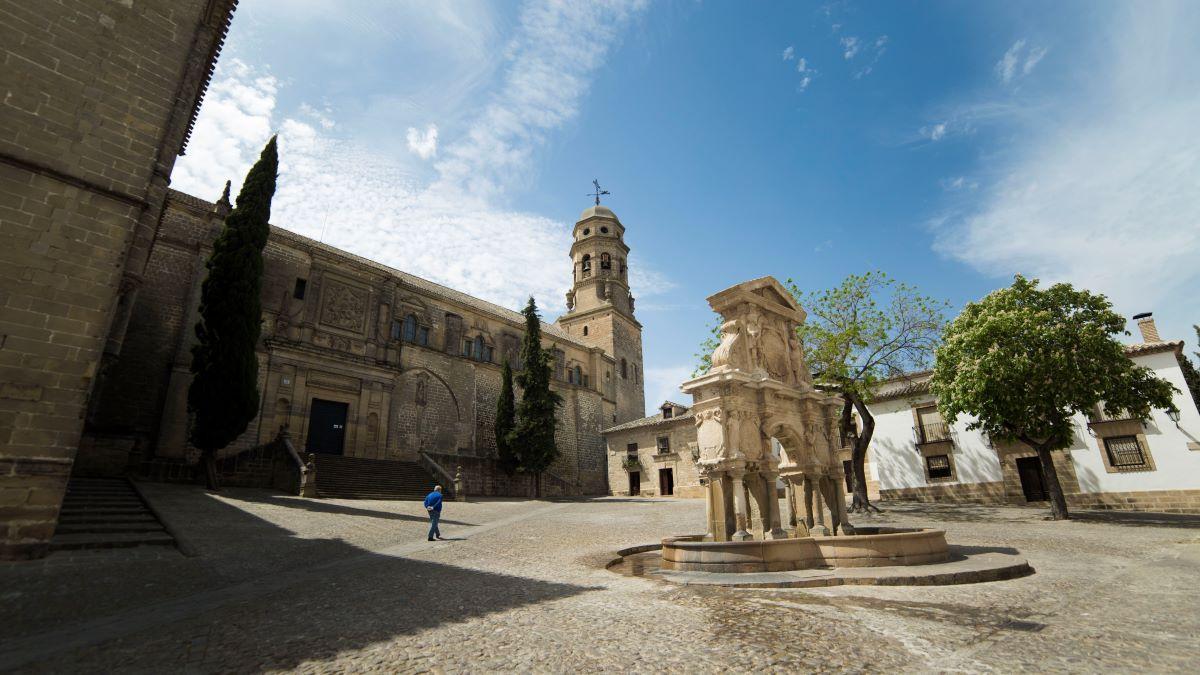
[(330, 586)]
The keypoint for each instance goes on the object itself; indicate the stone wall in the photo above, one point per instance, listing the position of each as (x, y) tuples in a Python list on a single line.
[(339, 340), (99, 101)]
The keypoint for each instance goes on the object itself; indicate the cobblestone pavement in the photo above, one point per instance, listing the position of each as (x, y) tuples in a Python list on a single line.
[(329, 586)]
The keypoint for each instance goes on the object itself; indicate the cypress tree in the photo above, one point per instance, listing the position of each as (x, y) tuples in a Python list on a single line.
[(505, 422), (533, 437), (223, 396)]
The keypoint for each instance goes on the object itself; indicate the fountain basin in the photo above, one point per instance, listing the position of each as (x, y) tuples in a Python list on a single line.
[(867, 547)]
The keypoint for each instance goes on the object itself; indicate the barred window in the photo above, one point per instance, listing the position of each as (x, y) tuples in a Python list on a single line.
[(664, 445), (939, 466), (1124, 452)]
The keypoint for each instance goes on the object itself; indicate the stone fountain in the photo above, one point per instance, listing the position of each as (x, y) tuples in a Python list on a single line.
[(758, 389)]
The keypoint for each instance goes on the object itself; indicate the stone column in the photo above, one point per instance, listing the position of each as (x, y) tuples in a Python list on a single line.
[(790, 490), (771, 528), (840, 496), (808, 501), (819, 529), (706, 483), (739, 505)]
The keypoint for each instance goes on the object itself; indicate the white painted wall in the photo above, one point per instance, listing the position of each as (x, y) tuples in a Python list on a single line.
[(896, 462), (1177, 468)]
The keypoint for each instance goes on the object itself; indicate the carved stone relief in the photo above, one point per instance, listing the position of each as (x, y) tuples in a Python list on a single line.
[(344, 307)]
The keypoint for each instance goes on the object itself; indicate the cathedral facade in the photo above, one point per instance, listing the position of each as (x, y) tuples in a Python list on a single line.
[(366, 361)]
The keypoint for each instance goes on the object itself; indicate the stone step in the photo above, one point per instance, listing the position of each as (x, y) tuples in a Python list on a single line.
[(78, 518), (109, 527), (110, 540), (102, 511)]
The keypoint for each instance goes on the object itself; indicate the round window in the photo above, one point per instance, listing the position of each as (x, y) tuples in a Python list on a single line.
[(604, 230), (586, 232)]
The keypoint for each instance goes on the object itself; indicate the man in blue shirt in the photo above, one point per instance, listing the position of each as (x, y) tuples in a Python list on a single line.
[(433, 504)]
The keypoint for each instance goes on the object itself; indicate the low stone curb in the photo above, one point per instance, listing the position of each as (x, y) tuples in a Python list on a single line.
[(973, 569)]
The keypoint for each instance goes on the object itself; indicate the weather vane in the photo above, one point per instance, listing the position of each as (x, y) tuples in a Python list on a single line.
[(598, 191)]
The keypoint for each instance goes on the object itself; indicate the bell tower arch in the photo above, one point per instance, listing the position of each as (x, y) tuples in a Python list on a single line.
[(600, 310)]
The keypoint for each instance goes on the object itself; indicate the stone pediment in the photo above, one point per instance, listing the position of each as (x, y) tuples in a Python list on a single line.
[(765, 292)]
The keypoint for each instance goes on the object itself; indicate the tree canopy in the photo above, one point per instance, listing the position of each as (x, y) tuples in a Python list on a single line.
[(506, 421), (1024, 360), (868, 328), (223, 395)]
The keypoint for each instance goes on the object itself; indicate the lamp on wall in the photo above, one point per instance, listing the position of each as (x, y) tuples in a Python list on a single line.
[(1174, 415)]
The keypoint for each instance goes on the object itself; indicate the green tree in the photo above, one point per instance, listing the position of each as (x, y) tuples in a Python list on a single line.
[(223, 395), (532, 439), (868, 328), (1190, 374), (1024, 360), (707, 347), (505, 422)]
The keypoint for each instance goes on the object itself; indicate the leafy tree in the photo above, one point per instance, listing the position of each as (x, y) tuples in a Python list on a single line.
[(1024, 360), (707, 347), (1190, 374), (505, 421), (867, 329), (532, 439), (223, 395)]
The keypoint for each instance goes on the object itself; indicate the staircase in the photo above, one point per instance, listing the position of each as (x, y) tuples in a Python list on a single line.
[(106, 513), (357, 478)]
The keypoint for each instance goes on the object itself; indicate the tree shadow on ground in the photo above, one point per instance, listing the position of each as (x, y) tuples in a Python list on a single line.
[(280, 601), (321, 506), (1138, 519)]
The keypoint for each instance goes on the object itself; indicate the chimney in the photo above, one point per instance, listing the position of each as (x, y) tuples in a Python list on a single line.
[(1145, 322)]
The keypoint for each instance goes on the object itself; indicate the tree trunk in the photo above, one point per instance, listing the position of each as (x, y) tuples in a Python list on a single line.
[(209, 459), (858, 455), (1058, 502)]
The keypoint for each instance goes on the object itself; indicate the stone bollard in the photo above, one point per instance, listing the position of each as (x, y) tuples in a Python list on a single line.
[(460, 495)]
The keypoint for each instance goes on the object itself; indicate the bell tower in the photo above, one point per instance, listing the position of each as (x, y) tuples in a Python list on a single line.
[(600, 310)]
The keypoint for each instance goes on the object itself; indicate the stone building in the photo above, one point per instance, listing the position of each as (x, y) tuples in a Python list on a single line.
[(653, 455), (98, 100), (365, 361), (1115, 462)]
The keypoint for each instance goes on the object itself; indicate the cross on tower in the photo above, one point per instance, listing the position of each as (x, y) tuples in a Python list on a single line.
[(598, 191)]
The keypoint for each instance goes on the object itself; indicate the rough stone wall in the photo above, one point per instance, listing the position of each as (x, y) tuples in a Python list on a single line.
[(334, 344), (94, 111), (682, 433)]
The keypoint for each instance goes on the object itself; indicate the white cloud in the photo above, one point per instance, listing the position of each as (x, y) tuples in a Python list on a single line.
[(958, 183), (1018, 61), (934, 132), (806, 73), (789, 53), (455, 231), (423, 143), (1100, 189), (662, 384), (851, 45)]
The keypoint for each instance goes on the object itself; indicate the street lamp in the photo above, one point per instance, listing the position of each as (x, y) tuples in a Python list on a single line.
[(1174, 415)]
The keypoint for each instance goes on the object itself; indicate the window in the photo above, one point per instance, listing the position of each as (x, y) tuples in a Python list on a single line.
[(624, 370), (477, 348), (668, 412), (487, 354), (586, 231), (939, 467), (423, 336), (585, 331), (410, 328), (298, 291), (604, 230), (466, 350), (631, 449), (605, 261), (930, 427), (1124, 452), (396, 329), (664, 445), (575, 375)]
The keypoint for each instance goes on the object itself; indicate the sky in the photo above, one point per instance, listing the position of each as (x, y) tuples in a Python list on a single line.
[(949, 144)]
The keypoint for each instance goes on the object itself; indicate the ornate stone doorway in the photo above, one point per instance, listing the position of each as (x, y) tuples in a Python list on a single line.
[(327, 427)]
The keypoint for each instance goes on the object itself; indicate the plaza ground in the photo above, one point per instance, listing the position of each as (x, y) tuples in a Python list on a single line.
[(283, 583)]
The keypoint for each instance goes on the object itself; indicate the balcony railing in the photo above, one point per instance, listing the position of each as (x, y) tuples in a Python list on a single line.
[(1098, 415), (932, 432)]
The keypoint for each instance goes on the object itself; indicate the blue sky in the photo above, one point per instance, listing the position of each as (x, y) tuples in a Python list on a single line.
[(948, 144)]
